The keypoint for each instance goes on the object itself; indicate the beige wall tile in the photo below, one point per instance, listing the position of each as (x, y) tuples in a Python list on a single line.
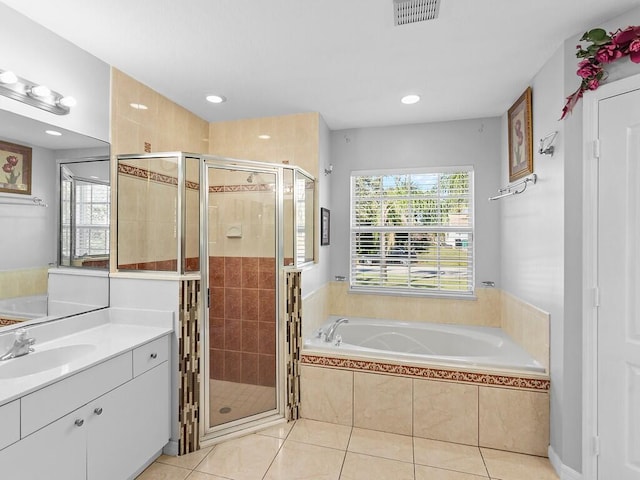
[(382, 402), (514, 420), (315, 310), (326, 395), (23, 283), (445, 411), (294, 140), (527, 325)]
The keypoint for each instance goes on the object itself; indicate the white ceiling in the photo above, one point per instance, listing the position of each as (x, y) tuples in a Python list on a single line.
[(342, 58)]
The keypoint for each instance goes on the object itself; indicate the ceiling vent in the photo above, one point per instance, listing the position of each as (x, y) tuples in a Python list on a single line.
[(413, 11)]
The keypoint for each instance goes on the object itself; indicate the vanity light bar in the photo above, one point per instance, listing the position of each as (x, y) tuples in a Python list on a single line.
[(39, 96)]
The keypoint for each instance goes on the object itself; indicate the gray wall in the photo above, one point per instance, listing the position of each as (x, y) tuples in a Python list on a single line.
[(541, 234), (468, 142), (532, 229), (317, 275)]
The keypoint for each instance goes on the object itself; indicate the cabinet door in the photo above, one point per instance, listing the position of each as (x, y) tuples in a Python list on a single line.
[(55, 451), (128, 425)]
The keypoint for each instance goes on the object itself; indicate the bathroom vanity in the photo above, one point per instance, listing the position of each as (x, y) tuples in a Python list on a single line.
[(91, 404)]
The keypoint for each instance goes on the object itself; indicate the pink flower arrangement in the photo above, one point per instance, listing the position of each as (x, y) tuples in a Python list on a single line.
[(604, 49), (10, 163)]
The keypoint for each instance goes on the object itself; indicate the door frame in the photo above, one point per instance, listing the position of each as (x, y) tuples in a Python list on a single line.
[(590, 268), (210, 435)]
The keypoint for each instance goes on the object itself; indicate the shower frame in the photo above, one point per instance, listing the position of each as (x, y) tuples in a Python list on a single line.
[(206, 161)]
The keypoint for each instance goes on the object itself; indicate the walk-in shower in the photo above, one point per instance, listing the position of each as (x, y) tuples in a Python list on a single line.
[(236, 225)]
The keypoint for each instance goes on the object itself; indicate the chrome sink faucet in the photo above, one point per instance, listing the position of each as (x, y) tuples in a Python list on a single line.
[(330, 334), (21, 345)]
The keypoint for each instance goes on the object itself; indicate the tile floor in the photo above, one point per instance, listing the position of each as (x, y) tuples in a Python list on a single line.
[(314, 450), (231, 400)]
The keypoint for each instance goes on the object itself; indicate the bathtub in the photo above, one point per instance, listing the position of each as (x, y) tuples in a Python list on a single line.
[(24, 308), (412, 342)]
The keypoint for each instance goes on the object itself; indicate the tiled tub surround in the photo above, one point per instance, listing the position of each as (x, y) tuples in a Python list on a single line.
[(501, 410), (525, 324), (242, 323), (23, 282)]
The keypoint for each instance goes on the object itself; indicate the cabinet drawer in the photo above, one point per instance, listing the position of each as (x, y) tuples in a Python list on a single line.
[(10, 421), (50, 403), (150, 354)]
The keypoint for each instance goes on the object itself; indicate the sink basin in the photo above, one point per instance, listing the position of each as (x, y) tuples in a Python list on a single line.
[(40, 361)]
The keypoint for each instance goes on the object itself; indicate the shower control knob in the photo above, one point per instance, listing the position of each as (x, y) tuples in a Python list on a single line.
[(79, 422), (154, 355), (98, 411)]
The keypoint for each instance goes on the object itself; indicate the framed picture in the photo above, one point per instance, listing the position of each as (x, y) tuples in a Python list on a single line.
[(15, 165), (520, 138), (325, 226)]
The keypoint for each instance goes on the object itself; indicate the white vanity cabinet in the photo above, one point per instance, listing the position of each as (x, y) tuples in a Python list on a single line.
[(109, 437)]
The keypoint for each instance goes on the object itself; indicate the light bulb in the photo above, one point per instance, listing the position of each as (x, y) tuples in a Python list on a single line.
[(68, 102), (8, 77), (216, 99), (54, 133), (410, 99), (41, 91)]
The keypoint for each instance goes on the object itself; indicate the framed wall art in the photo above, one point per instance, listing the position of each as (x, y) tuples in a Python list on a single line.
[(325, 226), (520, 137), (15, 165)]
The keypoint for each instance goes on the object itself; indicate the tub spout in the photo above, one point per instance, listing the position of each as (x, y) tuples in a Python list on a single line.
[(331, 331)]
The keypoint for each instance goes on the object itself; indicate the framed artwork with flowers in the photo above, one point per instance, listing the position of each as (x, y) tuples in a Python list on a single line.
[(15, 161), (520, 137)]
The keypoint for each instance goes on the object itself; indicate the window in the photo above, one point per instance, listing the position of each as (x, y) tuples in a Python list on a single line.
[(90, 219), (412, 231)]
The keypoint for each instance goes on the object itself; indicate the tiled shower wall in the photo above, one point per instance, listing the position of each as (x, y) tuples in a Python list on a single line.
[(242, 320)]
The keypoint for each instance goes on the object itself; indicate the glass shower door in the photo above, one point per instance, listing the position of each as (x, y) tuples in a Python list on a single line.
[(242, 248)]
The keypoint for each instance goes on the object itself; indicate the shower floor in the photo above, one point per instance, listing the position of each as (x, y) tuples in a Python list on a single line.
[(230, 401)]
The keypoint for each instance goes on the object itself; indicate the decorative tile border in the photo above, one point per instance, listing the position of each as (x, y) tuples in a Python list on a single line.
[(7, 321), (459, 376), (294, 341), (189, 365), (143, 173)]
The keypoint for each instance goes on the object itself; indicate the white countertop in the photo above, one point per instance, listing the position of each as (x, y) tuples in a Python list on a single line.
[(113, 335)]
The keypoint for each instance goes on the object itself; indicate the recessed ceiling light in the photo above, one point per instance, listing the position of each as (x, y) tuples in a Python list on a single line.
[(264, 137), (138, 106), (410, 99), (55, 133), (216, 99)]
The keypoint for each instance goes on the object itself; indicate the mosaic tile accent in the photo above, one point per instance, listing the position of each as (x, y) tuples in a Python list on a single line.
[(434, 373), (7, 321), (189, 364), (293, 279)]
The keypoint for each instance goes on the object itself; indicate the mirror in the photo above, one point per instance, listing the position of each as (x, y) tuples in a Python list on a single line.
[(305, 208), (30, 289)]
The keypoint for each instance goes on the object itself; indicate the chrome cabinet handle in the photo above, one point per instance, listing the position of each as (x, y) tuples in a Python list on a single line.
[(97, 411), (154, 355), (79, 422)]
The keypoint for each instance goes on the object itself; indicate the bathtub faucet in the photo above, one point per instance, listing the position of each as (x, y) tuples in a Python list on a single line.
[(21, 345), (331, 331)]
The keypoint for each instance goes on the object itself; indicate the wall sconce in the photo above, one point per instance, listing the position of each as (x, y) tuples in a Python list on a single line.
[(33, 94), (546, 144), (327, 171)]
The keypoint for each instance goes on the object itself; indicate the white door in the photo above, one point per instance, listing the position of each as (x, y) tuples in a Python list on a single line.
[(619, 283)]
